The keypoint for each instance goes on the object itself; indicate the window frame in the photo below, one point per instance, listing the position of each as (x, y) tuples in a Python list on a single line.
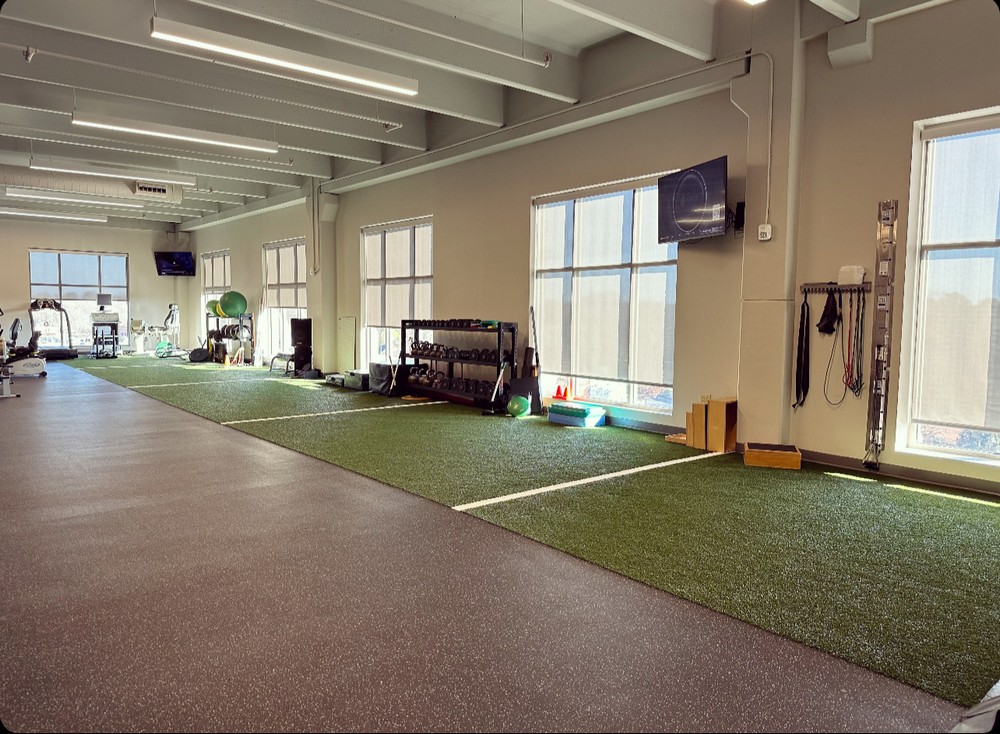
[(383, 333), (633, 268), (278, 339), (123, 309), (906, 423)]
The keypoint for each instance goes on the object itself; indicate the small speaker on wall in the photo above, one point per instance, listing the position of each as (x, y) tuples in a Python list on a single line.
[(741, 214), (302, 332)]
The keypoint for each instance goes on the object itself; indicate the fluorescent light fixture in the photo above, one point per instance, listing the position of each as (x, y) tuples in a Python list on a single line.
[(4, 211), (753, 2), (264, 53), (156, 130), (71, 198), (86, 169)]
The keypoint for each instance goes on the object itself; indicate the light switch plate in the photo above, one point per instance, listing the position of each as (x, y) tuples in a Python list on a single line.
[(764, 232)]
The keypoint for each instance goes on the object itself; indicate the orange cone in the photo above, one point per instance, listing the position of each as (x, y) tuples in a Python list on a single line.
[(559, 393)]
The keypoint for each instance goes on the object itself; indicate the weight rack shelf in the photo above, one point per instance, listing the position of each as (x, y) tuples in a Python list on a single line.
[(502, 331), (835, 287)]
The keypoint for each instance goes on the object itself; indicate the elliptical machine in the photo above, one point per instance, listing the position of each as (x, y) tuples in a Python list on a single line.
[(23, 361)]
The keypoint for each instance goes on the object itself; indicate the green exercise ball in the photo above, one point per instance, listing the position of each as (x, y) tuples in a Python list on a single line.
[(518, 406), (233, 303), (211, 306), (219, 311)]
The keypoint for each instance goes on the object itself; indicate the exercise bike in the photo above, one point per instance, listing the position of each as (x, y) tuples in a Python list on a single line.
[(5, 372), (23, 361)]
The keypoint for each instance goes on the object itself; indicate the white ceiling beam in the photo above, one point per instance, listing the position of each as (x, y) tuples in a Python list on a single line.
[(56, 127), (212, 186), (440, 91), (344, 113), (197, 198), (150, 162), (425, 37), (117, 84), (687, 26), (282, 201), (845, 10), (854, 43)]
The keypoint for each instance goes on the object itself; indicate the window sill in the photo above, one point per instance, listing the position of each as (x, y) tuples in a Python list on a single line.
[(965, 459)]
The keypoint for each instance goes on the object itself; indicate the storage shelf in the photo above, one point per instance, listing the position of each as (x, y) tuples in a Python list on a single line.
[(502, 332), (453, 360)]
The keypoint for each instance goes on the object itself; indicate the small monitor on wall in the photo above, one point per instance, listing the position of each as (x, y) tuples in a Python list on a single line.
[(103, 299), (692, 202), (174, 263)]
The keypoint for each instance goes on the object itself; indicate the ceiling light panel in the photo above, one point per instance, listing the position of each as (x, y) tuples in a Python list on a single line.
[(70, 198), (133, 174), (285, 58), (156, 130), (5, 211)]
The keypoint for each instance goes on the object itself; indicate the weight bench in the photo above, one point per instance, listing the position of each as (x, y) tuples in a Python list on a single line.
[(281, 356)]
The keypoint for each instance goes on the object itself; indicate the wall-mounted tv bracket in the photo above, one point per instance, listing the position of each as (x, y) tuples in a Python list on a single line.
[(878, 395)]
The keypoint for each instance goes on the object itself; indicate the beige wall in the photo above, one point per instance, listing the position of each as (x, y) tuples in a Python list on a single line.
[(149, 294), (858, 145), (245, 239), (482, 208)]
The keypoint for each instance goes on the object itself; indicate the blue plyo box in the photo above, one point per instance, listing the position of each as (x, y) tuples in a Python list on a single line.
[(580, 415)]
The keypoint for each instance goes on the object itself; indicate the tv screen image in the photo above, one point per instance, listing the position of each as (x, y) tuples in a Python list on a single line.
[(692, 202), (174, 263)]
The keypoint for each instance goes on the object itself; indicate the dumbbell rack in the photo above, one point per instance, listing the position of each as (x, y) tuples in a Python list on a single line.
[(244, 320), (503, 331)]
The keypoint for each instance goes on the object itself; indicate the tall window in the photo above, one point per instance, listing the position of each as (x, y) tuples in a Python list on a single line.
[(74, 279), (215, 278), (605, 296), (398, 261), (285, 276), (953, 404)]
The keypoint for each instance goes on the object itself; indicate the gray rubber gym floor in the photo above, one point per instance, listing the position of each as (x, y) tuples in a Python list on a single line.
[(163, 572)]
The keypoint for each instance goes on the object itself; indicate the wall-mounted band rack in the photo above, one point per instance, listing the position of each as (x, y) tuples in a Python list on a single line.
[(836, 287)]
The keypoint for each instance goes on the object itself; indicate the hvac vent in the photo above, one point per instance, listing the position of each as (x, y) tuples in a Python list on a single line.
[(158, 192), (152, 190)]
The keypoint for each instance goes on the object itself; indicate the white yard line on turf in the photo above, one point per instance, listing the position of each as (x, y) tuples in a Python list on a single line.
[(331, 412), (202, 382), (578, 482)]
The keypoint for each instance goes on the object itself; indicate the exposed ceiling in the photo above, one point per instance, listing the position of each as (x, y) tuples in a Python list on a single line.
[(481, 68)]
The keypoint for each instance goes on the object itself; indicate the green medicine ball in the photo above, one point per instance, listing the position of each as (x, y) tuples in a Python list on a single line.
[(211, 306), (233, 303), (218, 310), (518, 406)]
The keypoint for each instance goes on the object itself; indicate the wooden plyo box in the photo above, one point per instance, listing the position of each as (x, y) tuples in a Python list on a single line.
[(771, 454), (721, 433), (697, 435)]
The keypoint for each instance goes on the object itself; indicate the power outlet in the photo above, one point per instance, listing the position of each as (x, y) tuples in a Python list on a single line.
[(764, 233)]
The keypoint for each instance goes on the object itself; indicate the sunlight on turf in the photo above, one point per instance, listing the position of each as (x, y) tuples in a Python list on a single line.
[(946, 495), (853, 477)]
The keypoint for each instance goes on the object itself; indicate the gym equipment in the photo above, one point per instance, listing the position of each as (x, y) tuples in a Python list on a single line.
[(233, 303), (6, 376), (23, 361), (210, 306), (878, 396), (519, 406), (137, 331), (580, 415), (168, 334), (43, 304)]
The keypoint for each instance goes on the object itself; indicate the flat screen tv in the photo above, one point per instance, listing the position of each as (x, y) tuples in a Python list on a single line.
[(692, 202), (174, 263)]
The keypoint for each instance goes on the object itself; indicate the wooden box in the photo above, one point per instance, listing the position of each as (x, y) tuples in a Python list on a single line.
[(699, 424), (772, 454), (722, 424)]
